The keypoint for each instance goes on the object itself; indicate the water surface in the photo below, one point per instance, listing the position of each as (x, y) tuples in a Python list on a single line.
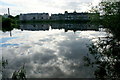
[(50, 50)]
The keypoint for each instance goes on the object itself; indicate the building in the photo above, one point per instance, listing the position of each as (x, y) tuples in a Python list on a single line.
[(70, 16), (75, 16), (66, 16), (34, 16)]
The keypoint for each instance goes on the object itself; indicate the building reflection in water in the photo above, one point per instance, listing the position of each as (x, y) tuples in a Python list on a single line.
[(75, 27), (34, 27), (66, 27)]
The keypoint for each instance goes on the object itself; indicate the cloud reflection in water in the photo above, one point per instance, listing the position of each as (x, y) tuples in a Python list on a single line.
[(49, 53)]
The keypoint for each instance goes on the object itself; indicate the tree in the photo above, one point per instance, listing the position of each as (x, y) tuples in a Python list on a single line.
[(110, 14), (106, 50), (8, 24)]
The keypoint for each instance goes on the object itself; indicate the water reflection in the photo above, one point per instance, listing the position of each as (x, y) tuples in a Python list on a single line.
[(51, 53), (34, 27), (75, 27), (65, 26)]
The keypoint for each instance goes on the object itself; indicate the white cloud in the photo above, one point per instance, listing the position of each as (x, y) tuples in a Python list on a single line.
[(51, 6)]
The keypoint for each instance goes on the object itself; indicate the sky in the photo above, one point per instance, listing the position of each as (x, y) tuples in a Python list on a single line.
[(47, 6)]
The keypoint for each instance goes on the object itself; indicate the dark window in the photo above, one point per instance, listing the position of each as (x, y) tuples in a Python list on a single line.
[(33, 17)]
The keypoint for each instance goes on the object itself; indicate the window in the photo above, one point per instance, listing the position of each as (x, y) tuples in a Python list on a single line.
[(41, 17), (34, 18)]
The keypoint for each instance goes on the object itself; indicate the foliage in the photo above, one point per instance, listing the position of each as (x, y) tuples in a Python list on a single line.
[(110, 16), (3, 64), (106, 50), (0, 18), (9, 23), (20, 74), (110, 12)]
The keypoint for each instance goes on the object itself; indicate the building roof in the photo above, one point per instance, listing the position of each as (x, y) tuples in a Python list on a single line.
[(35, 14)]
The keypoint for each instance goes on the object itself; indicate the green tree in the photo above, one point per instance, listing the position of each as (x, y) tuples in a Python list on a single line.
[(110, 15), (106, 50), (8, 24)]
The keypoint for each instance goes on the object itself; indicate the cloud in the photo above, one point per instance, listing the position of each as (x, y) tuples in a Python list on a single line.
[(6, 4), (51, 6)]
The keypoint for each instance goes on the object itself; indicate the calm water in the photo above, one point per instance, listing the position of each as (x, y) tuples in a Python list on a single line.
[(50, 50)]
